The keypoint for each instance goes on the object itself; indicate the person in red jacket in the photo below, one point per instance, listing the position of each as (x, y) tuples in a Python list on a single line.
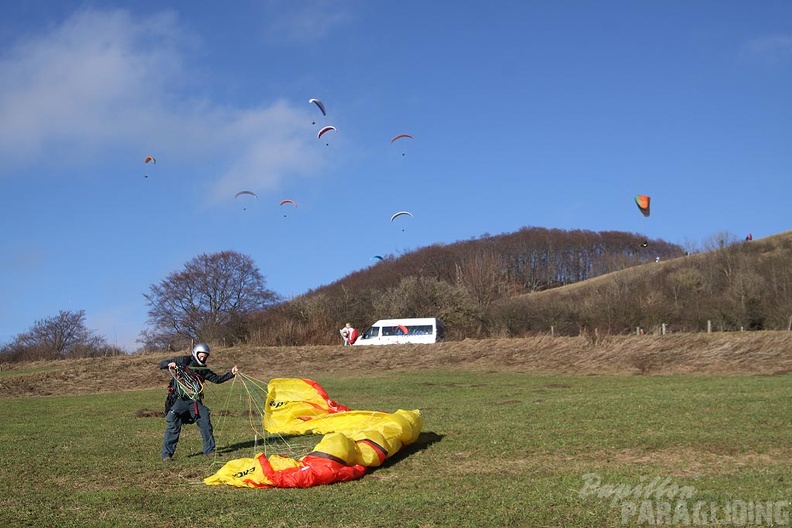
[(352, 335)]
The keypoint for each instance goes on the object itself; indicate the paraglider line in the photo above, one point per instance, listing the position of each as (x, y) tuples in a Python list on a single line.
[(186, 383)]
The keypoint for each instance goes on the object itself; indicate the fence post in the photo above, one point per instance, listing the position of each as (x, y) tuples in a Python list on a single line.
[(709, 326), (663, 329)]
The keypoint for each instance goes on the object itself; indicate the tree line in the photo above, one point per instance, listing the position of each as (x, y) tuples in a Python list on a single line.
[(507, 285), (60, 337)]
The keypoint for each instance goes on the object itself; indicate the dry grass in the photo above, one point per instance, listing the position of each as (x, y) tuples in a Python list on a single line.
[(755, 353)]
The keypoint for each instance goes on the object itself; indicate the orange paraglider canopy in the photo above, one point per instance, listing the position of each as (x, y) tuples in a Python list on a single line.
[(642, 201)]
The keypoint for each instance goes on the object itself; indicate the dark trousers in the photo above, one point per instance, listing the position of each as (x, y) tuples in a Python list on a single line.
[(183, 411)]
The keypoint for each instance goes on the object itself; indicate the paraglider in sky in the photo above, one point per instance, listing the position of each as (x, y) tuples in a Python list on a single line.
[(401, 136), (353, 440), (376, 257), (288, 201), (324, 130), (320, 104), (147, 160), (245, 193), (400, 213), (642, 201)]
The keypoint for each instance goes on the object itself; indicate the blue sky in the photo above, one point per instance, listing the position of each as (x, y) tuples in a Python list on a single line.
[(523, 113)]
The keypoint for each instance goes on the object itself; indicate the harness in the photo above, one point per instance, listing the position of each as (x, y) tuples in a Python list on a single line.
[(186, 384)]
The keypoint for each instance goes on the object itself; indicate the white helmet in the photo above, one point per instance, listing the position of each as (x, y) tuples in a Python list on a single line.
[(200, 347)]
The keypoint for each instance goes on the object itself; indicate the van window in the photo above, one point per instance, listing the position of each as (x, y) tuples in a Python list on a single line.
[(400, 330), (392, 331), (420, 330), (372, 331)]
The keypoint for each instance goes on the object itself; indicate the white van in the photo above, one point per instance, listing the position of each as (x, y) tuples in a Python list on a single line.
[(399, 331)]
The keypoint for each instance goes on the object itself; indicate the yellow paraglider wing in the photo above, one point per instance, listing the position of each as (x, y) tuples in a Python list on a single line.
[(353, 440)]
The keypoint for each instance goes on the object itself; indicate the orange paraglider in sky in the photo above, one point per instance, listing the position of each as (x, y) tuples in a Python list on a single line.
[(642, 201)]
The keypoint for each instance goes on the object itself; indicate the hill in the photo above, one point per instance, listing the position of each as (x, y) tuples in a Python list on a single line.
[(541, 281), (739, 286)]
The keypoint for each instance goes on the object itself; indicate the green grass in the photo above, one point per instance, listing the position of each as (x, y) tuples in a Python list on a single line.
[(497, 449)]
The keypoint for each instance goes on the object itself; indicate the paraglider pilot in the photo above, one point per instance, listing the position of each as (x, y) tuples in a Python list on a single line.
[(183, 408)]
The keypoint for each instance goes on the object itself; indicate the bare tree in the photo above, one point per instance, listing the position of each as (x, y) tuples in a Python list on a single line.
[(482, 275), (59, 337), (211, 300)]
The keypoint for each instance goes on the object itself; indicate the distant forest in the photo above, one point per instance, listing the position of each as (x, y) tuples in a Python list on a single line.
[(468, 284)]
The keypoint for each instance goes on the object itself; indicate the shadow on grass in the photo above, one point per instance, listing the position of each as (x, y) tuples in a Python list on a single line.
[(424, 441)]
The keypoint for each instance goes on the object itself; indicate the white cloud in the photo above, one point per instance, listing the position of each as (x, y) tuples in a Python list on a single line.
[(108, 80), (268, 145), (67, 93)]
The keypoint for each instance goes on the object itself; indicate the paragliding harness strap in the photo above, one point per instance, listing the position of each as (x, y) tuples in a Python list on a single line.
[(170, 399), (185, 384)]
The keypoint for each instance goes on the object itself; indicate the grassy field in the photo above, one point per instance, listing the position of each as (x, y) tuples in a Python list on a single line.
[(500, 447)]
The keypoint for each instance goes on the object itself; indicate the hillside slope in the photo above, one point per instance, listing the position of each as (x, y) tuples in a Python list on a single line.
[(643, 273), (740, 286), (753, 353)]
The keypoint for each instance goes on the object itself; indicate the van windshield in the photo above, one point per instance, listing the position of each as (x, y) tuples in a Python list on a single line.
[(372, 331)]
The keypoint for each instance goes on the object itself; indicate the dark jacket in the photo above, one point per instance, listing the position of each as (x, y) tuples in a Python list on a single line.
[(204, 373)]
